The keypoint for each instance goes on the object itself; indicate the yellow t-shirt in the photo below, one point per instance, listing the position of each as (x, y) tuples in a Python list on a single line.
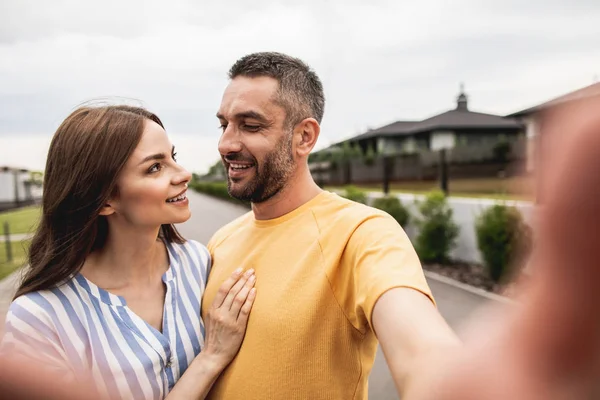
[(319, 271)]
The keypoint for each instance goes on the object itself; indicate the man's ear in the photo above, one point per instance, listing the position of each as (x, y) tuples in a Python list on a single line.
[(307, 133)]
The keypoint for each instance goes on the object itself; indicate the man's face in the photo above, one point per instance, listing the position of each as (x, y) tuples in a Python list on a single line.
[(256, 145)]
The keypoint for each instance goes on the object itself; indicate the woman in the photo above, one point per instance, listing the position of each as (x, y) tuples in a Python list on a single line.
[(112, 295)]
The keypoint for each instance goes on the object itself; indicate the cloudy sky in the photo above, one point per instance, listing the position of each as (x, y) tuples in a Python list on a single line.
[(380, 61)]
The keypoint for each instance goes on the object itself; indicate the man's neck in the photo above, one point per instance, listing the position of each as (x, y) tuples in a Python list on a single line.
[(299, 191)]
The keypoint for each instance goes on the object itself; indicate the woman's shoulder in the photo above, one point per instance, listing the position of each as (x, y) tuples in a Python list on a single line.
[(37, 327), (192, 256), (45, 303), (36, 309)]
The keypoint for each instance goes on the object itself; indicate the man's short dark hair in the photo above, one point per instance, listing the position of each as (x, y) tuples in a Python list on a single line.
[(300, 89)]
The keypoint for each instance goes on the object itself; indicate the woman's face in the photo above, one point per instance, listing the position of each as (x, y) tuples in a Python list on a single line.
[(152, 186)]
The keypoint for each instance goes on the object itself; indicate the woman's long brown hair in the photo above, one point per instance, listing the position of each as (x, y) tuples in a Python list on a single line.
[(86, 155)]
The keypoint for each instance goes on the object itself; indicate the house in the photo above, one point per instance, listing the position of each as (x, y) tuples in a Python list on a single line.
[(531, 116), (456, 127), (18, 187), (479, 146)]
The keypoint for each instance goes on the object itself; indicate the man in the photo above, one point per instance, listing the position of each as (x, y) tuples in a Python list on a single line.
[(334, 277), (331, 274)]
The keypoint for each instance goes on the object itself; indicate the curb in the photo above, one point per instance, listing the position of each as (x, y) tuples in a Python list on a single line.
[(459, 285)]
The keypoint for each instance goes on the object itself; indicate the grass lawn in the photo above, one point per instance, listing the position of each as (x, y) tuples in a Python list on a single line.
[(19, 253), (515, 188), (22, 220)]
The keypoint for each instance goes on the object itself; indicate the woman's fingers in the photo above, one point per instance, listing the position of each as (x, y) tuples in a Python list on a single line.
[(226, 287), (245, 310), (242, 296), (233, 292)]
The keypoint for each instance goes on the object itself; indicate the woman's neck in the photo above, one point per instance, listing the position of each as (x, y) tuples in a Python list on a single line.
[(129, 257)]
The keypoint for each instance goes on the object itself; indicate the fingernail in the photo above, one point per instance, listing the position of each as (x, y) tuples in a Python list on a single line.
[(238, 271), (250, 272)]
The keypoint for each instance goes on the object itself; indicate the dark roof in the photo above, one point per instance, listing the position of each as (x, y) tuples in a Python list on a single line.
[(458, 118), (6, 168), (580, 94), (392, 129), (464, 119), (453, 119)]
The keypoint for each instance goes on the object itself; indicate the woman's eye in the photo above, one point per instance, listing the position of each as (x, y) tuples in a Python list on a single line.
[(155, 168), (174, 156)]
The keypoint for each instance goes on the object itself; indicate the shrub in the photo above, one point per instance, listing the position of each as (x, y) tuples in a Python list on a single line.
[(215, 189), (502, 237), (355, 194), (437, 231), (393, 206)]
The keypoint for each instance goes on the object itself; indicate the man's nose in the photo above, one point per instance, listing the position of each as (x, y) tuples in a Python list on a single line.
[(230, 141)]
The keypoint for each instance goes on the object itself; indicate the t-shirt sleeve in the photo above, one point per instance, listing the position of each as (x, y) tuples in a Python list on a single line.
[(382, 258), (30, 333), (210, 246)]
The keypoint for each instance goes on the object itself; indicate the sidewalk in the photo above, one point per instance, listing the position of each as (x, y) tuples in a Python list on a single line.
[(16, 237)]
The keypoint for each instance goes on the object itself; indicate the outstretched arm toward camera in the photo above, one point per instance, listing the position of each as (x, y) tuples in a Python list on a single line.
[(547, 346), (411, 332), (225, 329)]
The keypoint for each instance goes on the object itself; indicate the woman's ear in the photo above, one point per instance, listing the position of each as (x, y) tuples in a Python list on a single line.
[(107, 209)]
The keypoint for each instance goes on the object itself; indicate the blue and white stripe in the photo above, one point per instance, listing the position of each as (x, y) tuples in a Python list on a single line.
[(88, 333)]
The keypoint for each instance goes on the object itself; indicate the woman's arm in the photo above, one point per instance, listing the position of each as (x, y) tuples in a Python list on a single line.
[(225, 329)]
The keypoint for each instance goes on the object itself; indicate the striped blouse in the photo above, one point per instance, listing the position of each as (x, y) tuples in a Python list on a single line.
[(89, 333)]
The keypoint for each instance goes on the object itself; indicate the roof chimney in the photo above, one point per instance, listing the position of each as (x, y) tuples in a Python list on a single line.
[(461, 100)]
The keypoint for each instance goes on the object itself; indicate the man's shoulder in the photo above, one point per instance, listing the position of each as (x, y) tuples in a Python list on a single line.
[(341, 211), (225, 231)]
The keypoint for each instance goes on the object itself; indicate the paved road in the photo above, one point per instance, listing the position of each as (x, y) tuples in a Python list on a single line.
[(209, 214)]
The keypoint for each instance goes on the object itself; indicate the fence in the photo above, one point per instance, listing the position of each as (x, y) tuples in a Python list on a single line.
[(468, 161), (13, 248), (8, 245)]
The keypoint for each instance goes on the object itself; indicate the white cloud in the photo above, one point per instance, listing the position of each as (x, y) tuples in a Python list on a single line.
[(379, 61)]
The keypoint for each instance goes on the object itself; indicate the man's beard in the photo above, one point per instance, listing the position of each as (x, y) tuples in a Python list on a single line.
[(270, 177)]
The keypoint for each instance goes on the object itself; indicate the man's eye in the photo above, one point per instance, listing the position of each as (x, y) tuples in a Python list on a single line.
[(222, 127), (252, 128)]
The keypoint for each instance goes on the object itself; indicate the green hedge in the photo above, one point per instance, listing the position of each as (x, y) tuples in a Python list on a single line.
[(216, 189), (393, 206), (502, 238), (355, 194), (437, 230)]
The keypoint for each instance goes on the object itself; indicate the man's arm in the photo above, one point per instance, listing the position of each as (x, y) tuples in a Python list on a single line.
[(412, 334), (547, 346), (393, 299)]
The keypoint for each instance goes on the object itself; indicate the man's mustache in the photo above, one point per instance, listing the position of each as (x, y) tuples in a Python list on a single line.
[(233, 157)]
